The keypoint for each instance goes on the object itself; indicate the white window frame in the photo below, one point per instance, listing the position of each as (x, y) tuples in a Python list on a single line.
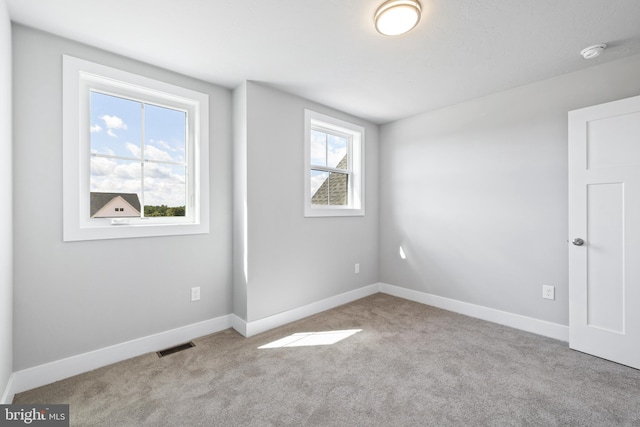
[(355, 168), (80, 77)]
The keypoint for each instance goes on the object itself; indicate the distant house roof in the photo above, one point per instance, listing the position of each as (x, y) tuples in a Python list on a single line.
[(333, 192), (98, 200)]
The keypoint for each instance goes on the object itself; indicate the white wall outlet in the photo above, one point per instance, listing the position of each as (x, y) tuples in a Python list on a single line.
[(195, 294), (357, 269), (548, 292)]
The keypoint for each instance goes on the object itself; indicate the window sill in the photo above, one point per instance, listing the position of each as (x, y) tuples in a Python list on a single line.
[(124, 231), (332, 212)]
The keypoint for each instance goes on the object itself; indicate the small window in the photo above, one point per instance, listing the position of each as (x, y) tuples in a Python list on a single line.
[(135, 155), (334, 183)]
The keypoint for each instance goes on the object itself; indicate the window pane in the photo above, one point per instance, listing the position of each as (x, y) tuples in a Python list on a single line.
[(115, 125), (165, 189), (329, 188), (338, 189), (114, 175), (319, 187), (337, 152), (165, 132), (318, 148), (115, 184)]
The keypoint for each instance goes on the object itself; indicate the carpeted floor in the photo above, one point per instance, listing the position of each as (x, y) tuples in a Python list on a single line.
[(411, 365)]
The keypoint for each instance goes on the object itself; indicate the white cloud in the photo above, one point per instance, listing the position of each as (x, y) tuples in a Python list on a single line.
[(133, 149), (109, 176), (127, 171), (154, 170), (113, 122), (164, 144), (115, 186), (162, 185), (101, 166), (153, 153), (158, 149), (95, 128)]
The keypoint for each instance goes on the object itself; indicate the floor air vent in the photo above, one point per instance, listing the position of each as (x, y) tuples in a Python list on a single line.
[(175, 349)]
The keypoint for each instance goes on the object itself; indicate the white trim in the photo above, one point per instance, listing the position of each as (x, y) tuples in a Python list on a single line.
[(262, 325), (48, 373), (524, 323), (7, 396)]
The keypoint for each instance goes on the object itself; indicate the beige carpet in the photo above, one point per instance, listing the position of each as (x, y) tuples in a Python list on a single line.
[(411, 365)]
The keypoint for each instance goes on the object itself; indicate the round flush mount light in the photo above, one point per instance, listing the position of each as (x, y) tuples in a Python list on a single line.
[(593, 51), (395, 17)]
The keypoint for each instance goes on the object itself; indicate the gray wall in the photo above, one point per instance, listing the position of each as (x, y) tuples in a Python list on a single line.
[(292, 260), (6, 228), (75, 297), (477, 193)]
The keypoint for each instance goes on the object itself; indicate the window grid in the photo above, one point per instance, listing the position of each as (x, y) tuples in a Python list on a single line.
[(142, 159), (348, 171)]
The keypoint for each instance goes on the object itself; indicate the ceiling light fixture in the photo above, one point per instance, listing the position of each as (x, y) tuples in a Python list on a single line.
[(395, 17), (593, 51)]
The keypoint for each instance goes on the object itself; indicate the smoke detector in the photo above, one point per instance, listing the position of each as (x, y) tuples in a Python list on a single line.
[(593, 51)]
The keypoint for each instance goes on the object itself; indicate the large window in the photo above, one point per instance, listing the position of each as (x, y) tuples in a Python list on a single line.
[(334, 152), (135, 155)]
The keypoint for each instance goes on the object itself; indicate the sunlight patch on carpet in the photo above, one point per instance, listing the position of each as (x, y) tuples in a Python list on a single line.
[(303, 339)]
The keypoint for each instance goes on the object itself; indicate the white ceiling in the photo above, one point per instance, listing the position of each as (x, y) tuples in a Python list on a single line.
[(329, 51)]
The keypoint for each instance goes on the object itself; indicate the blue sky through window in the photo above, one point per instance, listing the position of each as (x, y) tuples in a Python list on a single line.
[(116, 126)]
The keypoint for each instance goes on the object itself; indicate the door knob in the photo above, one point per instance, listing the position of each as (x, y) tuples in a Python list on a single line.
[(578, 242)]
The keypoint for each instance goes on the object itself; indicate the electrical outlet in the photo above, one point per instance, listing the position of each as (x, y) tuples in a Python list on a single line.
[(548, 292), (195, 294), (357, 269)]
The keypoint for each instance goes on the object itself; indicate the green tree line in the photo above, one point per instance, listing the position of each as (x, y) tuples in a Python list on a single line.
[(164, 210)]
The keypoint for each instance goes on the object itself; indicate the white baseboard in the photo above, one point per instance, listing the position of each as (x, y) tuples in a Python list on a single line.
[(239, 324), (7, 395), (528, 324), (249, 329), (48, 373)]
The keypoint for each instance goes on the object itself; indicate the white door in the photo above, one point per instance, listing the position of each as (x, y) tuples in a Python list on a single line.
[(604, 231)]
